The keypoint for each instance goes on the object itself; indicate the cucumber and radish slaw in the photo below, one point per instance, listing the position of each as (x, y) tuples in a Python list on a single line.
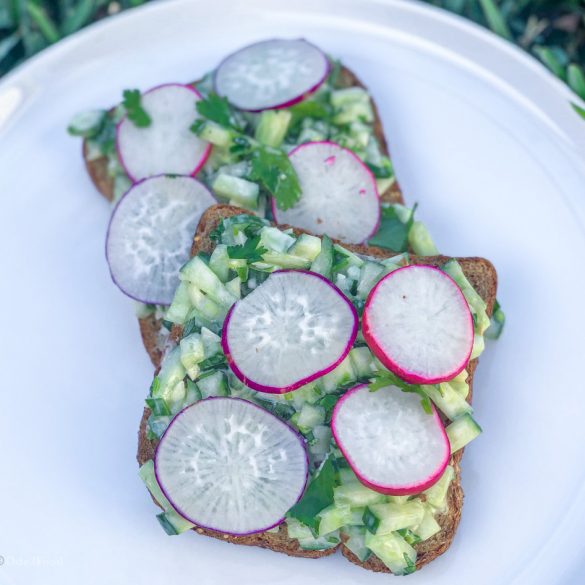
[(379, 447)]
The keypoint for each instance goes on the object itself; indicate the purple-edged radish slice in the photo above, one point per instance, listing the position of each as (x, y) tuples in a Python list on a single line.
[(338, 193), (167, 145), (292, 329), (393, 446), (271, 74), (418, 324), (229, 465), (150, 235)]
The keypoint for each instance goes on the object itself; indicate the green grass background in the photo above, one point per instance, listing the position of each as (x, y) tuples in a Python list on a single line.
[(552, 30)]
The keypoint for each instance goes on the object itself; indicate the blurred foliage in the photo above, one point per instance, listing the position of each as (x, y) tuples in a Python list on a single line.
[(552, 30)]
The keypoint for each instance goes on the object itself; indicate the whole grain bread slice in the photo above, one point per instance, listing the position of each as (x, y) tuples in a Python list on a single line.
[(150, 327), (482, 276)]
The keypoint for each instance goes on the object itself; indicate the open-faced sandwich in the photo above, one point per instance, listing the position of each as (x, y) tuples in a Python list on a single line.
[(278, 128), (316, 395)]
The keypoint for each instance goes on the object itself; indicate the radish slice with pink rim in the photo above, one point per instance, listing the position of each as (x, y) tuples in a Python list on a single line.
[(393, 446), (271, 74), (167, 145), (339, 196), (150, 235), (292, 329), (231, 466), (418, 324)]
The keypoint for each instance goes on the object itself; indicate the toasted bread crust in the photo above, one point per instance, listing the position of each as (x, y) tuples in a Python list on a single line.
[(482, 276)]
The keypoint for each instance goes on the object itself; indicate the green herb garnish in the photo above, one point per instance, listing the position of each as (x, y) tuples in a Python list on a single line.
[(136, 113), (386, 378), (371, 521), (249, 250), (392, 233), (218, 110)]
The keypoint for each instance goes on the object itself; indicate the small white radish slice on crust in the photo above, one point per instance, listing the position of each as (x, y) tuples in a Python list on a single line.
[(231, 466), (167, 146), (418, 324), (338, 194), (393, 446), (271, 74), (150, 235), (292, 329)]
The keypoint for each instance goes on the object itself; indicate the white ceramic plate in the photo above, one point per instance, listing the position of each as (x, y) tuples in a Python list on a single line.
[(483, 138)]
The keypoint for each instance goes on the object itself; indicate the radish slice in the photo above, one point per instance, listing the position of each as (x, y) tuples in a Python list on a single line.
[(271, 74), (418, 323), (167, 146), (150, 235), (292, 329), (338, 194), (231, 466), (390, 442)]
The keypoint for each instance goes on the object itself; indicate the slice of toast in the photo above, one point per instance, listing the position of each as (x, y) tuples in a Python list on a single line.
[(150, 327), (482, 275)]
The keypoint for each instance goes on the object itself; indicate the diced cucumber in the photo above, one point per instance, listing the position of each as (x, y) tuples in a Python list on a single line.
[(393, 551), (312, 135), (403, 213), (215, 134), (370, 273), (420, 240), (382, 185), (272, 127), (240, 191), (362, 361), (436, 495), (211, 342), (361, 133), (121, 184), (342, 375), (476, 303), (428, 526), (353, 259), (235, 287), (397, 499), (213, 385), (319, 446), (349, 95), (170, 520), (497, 322), (171, 373), (219, 262), (192, 354), (333, 517), (459, 384), (275, 240), (283, 260), (87, 124), (240, 267), (198, 273), (356, 494), (309, 417), (478, 346), (449, 402), (306, 246), (346, 475), (461, 431), (176, 397), (323, 263), (394, 517), (354, 112), (330, 540), (356, 542), (207, 307), (297, 529), (181, 305)]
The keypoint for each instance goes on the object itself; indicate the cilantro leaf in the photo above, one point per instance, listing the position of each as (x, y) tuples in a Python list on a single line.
[(392, 233), (217, 109), (318, 495), (136, 113), (274, 171), (249, 250), (387, 378)]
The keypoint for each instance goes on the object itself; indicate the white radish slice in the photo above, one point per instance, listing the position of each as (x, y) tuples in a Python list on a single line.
[(418, 324), (231, 466), (338, 194), (167, 145), (293, 328), (150, 235), (271, 74), (390, 442)]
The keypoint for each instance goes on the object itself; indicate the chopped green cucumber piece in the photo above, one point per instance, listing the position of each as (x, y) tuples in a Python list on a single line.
[(171, 373), (306, 246), (283, 260), (309, 417), (448, 401), (213, 385), (382, 185), (459, 384), (352, 259), (240, 191), (461, 431), (356, 542), (478, 346), (219, 262), (370, 273), (211, 342), (240, 267), (235, 287), (207, 307), (192, 354), (324, 261), (394, 517), (198, 273), (349, 95), (297, 529), (215, 134), (354, 112), (436, 495), (272, 127), (342, 375), (428, 526), (362, 361), (275, 240), (333, 517), (420, 240), (497, 322), (356, 495), (181, 305), (87, 124), (393, 551)]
